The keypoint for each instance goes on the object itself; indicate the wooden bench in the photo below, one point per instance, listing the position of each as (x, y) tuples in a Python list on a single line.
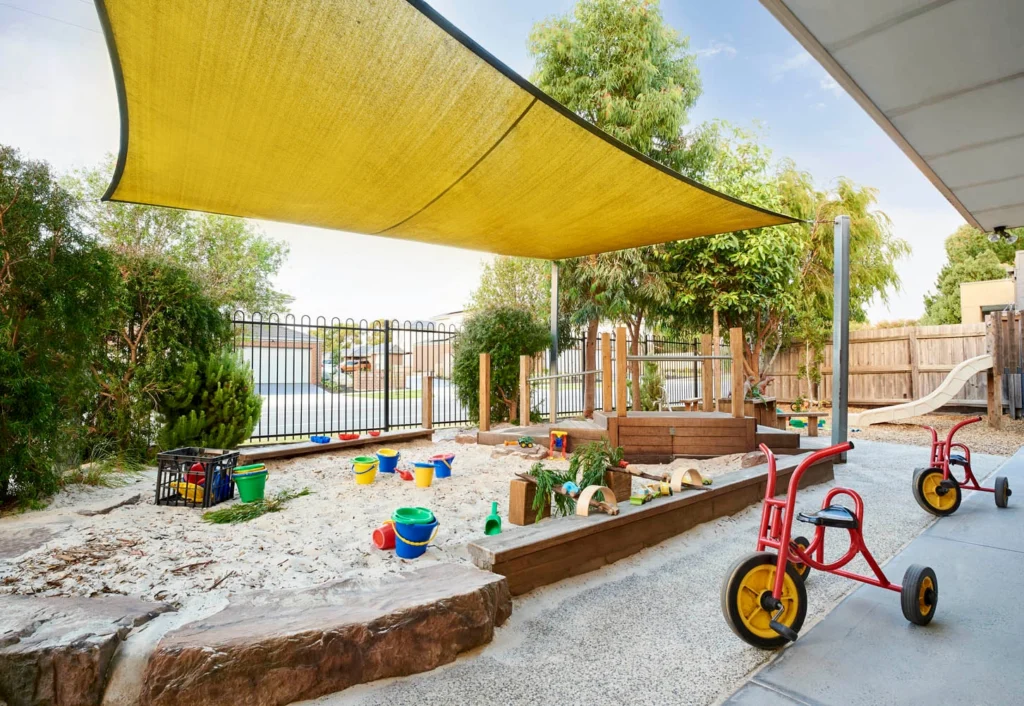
[(812, 420)]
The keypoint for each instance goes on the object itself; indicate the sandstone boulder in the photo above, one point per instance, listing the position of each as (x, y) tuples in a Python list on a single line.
[(56, 651), (272, 648), (754, 458), (465, 437)]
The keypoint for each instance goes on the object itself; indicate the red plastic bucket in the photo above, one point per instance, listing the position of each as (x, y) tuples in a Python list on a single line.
[(384, 536)]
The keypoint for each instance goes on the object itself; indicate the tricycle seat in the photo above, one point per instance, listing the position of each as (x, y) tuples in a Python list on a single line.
[(831, 516), (957, 460)]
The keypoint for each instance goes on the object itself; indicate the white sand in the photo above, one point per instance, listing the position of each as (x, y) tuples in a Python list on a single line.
[(170, 554)]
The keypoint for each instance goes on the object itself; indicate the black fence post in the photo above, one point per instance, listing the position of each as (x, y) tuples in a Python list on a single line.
[(387, 374)]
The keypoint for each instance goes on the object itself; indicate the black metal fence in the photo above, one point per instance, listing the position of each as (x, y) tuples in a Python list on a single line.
[(680, 379), (320, 376)]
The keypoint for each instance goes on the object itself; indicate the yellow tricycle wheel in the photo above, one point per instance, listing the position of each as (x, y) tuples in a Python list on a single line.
[(932, 495), (920, 594), (746, 591)]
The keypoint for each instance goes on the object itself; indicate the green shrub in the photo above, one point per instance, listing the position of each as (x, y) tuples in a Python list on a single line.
[(54, 305), (506, 334), (651, 385), (214, 406)]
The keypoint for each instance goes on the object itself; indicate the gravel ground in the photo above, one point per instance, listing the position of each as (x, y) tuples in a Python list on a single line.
[(649, 629), (980, 437)]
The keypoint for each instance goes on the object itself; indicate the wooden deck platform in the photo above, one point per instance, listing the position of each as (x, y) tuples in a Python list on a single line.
[(658, 437), (556, 549)]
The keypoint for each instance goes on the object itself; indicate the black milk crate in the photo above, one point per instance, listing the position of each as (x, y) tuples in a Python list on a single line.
[(178, 484)]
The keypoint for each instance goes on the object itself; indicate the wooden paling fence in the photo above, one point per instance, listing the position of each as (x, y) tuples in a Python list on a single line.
[(1005, 340), (890, 366)]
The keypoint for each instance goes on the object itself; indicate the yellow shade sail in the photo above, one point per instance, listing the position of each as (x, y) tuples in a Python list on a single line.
[(377, 117)]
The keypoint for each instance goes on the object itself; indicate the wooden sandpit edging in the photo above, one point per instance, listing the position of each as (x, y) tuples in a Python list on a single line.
[(541, 554), (303, 448)]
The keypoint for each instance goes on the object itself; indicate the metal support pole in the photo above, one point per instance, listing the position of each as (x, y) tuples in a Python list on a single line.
[(553, 351), (841, 331)]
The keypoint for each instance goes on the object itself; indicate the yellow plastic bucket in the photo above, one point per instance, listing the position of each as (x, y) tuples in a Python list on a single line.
[(365, 468), (424, 474)]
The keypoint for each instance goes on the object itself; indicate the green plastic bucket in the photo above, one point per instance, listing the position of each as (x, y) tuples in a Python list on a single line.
[(413, 516), (251, 486)]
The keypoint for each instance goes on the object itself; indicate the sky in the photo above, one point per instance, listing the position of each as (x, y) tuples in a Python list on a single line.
[(58, 103)]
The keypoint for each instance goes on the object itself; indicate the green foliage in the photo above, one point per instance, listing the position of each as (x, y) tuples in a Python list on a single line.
[(243, 512), (232, 261), (971, 257), (165, 326), (214, 406), (586, 467), (517, 282), (506, 334), (943, 306), (618, 64), (54, 283), (651, 387)]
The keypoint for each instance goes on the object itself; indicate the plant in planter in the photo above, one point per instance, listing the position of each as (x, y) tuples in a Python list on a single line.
[(587, 467)]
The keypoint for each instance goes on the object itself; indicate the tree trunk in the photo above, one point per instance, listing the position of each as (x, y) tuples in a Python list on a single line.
[(590, 363)]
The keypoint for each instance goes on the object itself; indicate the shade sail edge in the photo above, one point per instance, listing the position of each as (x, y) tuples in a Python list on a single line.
[(762, 217)]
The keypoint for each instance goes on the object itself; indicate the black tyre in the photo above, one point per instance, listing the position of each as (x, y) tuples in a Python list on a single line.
[(920, 594), (745, 586), (932, 495), (802, 570), (1002, 488)]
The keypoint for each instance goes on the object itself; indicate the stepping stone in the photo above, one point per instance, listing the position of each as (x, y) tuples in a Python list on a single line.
[(58, 650), (276, 647)]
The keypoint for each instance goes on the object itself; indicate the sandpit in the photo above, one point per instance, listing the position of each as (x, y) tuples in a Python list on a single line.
[(169, 554)]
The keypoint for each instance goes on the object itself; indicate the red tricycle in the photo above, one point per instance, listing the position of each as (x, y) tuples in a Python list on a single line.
[(937, 490), (764, 599)]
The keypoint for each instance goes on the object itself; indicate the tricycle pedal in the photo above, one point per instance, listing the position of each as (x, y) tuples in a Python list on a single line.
[(783, 630)]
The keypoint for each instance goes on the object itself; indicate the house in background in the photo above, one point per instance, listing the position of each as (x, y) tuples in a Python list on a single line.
[(979, 299), (365, 365), (279, 354)]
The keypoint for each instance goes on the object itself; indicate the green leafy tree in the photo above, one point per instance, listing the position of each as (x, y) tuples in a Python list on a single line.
[(54, 285), (230, 258), (212, 406), (776, 282), (943, 305), (505, 333), (971, 257), (163, 323), (518, 282), (617, 64)]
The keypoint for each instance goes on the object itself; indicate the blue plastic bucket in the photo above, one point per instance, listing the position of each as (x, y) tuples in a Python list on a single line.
[(442, 465), (388, 460), (411, 540)]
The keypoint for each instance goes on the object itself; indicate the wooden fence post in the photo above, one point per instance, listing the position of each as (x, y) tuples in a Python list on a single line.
[(994, 377), (915, 364), (736, 347), (427, 401), (716, 366), (707, 373), (607, 374), (524, 390), (620, 372), (485, 392)]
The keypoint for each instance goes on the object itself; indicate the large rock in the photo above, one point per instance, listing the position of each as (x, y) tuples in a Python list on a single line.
[(272, 648), (56, 651), (753, 458)]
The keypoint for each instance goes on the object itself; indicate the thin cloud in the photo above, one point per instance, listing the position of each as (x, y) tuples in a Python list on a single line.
[(793, 63), (829, 84), (716, 48)]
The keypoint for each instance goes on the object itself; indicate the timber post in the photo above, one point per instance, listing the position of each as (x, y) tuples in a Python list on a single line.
[(607, 374), (738, 376), (524, 389), (621, 404), (485, 392), (427, 401), (994, 377), (716, 366), (707, 373)]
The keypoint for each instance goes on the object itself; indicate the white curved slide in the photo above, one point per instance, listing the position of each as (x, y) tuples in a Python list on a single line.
[(943, 394)]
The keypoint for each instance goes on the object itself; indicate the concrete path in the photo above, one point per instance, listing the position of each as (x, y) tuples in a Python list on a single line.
[(649, 629), (865, 652)]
